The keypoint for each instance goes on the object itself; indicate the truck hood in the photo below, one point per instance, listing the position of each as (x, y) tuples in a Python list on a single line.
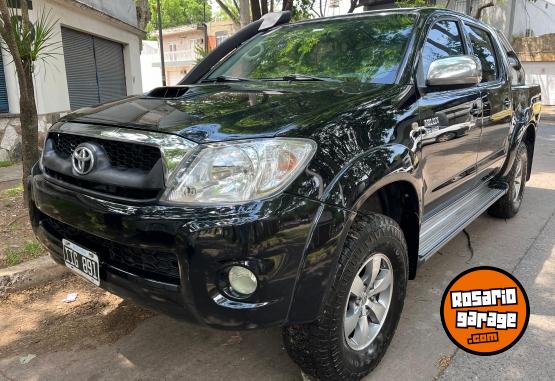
[(218, 112)]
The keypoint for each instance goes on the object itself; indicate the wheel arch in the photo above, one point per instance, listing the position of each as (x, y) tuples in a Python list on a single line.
[(527, 134), (384, 199), (391, 177)]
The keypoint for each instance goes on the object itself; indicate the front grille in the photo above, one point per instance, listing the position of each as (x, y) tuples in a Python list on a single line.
[(157, 265), (113, 190), (122, 154), (126, 170)]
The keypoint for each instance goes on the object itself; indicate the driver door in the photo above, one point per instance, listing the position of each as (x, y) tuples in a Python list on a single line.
[(448, 122)]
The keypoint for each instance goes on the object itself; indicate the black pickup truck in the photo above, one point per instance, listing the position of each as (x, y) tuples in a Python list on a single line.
[(298, 176)]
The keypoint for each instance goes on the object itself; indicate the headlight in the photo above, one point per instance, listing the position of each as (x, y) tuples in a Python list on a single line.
[(234, 172)]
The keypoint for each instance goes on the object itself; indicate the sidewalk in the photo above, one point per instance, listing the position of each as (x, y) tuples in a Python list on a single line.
[(10, 173), (548, 113), (532, 357)]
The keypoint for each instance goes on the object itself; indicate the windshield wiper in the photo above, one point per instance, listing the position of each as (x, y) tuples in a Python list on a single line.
[(225, 78), (303, 77)]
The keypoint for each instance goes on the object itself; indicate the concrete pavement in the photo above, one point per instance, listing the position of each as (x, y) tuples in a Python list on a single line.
[(162, 348), (532, 357), (10, 176), (420, 347), (10, 173)]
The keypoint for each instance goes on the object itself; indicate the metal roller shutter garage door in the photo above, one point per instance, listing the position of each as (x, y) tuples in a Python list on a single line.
[(94, 68), (4, 106)]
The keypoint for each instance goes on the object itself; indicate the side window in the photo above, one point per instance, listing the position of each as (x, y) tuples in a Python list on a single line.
[(444, 40), (482, 46)]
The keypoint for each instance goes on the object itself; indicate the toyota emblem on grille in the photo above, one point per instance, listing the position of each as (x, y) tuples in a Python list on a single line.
[(83, 159)]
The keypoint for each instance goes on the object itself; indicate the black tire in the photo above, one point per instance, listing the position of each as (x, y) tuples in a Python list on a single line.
[(320, 348), (509, 205)]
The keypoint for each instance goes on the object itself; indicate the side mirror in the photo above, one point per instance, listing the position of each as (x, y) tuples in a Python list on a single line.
[(454, 71), (515, 64)]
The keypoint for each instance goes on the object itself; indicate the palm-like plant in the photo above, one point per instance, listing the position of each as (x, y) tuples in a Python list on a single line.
[(35, 40)]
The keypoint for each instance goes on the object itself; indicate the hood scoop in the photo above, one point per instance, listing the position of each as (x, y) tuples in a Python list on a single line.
[(168, 92)]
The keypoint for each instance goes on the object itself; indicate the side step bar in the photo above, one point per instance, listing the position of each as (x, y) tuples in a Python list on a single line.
[(439, 228)]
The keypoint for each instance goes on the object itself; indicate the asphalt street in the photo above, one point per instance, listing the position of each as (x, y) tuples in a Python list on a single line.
[(162, 348)]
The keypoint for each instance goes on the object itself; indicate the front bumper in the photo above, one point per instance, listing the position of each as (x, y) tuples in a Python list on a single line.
[(200, 242)]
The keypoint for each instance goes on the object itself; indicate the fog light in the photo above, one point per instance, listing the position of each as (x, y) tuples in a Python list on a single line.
[(242, 280)]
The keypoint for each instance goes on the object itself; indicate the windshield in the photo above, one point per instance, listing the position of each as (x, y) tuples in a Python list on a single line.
[(365, 49)]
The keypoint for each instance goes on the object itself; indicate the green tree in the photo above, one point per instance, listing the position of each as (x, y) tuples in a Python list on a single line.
[(302, 9), (180, 12), (230, 9)]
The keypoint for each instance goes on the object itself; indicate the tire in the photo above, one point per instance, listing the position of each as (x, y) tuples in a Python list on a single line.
[(509, 205), (323, 349)]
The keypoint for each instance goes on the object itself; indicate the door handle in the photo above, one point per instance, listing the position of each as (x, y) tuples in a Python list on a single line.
[(507, 103)]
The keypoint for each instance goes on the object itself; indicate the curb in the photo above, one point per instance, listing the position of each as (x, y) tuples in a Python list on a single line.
[(30, 274)]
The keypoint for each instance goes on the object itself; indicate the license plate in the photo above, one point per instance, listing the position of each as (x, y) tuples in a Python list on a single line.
[(82, 261)]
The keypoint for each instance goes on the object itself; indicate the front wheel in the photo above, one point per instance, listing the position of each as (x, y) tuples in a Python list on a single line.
[(509, 205), (361, 312)]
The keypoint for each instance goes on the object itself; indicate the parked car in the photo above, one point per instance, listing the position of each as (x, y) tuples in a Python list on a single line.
[(298, 177)]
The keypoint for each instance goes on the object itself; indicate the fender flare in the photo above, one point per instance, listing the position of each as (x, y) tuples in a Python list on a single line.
[(385, 165), (529, 120), (516, 138), (305, 302)]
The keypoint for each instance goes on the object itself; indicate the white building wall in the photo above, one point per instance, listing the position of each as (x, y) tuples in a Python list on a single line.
[(543, 74), (150, 72), (122, 9), (51, 89)]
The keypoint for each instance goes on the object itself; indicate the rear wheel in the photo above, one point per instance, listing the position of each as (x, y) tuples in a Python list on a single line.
[(361, 312), (509, 205)]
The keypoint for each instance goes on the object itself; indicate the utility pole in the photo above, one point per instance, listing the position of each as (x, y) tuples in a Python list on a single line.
[(161, 43), (205, 26)]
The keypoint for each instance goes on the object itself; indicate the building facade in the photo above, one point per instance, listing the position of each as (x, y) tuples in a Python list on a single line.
[(96, 58), (183, 47), (538, 58)]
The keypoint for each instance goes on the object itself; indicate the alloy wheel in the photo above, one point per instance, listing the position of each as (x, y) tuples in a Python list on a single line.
[(368, 301)]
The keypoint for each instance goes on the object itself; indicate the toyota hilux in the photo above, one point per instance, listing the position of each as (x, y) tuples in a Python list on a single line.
[(298, 176)]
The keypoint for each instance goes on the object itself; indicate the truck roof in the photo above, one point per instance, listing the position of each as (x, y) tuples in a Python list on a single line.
[(425, 11)]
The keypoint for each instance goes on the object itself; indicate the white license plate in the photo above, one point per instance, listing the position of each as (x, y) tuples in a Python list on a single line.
[(82, 261)]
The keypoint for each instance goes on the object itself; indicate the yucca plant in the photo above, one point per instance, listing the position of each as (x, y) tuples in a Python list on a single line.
[(27, 43), (35, 42)]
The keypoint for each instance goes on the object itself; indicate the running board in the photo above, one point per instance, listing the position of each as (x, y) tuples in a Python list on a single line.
[(438, 229)]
